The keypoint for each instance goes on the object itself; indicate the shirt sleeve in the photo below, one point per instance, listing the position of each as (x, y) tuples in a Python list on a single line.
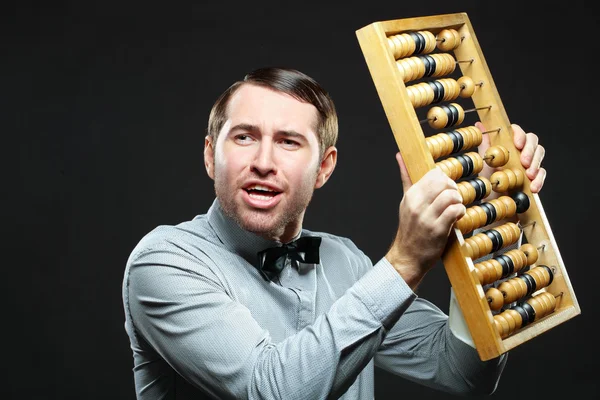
[(177, 304), (422, 348)]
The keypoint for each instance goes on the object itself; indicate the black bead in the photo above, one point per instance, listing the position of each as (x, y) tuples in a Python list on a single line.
[(470, 166), (429, 64), (505, 266), (530, 312), (521, 200), (448, 113), (494, 239), (454, 136), (476, 187), (479, 182), (438, 91), (490, 211), (419, 41), (454, 112), (461, 141), (509, 262), (530, 281), (499, 239), (467, 164)]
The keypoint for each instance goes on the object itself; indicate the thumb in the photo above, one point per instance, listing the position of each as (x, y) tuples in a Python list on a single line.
[(406, 181)]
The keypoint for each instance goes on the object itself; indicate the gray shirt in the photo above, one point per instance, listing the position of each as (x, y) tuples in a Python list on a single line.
[(203, 321)]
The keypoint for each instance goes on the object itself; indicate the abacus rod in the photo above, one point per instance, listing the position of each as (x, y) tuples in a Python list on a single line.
[(526, 225), (466, 111), (478, 108), (493, 130)]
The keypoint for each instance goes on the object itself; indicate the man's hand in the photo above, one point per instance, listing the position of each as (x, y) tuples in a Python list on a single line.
[(427, 212), (532, 154)]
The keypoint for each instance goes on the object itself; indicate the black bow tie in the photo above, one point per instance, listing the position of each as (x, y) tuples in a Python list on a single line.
[(272, 260)]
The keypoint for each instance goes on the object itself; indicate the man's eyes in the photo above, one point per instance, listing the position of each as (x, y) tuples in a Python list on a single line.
[(289, 142), (243, 138), (246, 139)]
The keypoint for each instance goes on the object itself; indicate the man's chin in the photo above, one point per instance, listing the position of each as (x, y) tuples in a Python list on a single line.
[(259, 222), (273, 223), (261, 226)]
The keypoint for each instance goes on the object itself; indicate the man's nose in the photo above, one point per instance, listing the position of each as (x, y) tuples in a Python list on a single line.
[(264, 161)]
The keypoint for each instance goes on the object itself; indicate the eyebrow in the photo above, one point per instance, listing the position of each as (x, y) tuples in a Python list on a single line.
[(254, 128), (244, 127)]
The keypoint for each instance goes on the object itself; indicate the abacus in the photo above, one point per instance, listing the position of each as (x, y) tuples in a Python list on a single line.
[(506, 297)]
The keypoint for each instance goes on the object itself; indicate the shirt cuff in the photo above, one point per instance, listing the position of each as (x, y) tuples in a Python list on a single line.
[(385, 293)]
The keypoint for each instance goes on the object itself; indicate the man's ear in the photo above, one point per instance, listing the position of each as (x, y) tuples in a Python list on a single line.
[(209, 157), (327, 166)]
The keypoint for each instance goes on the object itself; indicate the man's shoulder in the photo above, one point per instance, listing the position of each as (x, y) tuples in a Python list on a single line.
[(338, 242), (338, 251), (165, 236)]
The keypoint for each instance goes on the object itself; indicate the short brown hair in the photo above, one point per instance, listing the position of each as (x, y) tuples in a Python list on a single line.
[(292, 82)]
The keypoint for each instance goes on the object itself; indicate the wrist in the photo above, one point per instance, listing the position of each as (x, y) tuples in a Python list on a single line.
[(406, 267)]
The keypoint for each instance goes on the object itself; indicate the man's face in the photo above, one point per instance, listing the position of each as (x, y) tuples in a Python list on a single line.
[(265, 162)]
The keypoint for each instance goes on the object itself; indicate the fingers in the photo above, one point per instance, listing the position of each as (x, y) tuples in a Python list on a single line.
[(405, 178), (529, 149), (436, 201), (449, 208), (519, 136), (431, 185), (538, 181), (532, 155), (536, 162)]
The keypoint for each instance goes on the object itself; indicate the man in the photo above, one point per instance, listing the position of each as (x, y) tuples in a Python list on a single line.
[(209, 313)]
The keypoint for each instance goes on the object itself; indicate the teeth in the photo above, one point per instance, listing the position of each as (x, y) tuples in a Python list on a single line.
[(260, 197), (260, 187)]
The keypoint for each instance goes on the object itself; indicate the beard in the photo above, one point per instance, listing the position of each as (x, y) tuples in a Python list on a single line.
[(285, 217)]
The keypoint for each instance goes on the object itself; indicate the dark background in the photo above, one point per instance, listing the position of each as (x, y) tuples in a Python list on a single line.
[(104, 109)]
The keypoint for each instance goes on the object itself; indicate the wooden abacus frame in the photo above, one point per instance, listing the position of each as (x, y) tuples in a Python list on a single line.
[(411, 142)]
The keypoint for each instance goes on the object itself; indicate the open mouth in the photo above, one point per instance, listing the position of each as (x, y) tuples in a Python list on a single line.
[(260, 192)]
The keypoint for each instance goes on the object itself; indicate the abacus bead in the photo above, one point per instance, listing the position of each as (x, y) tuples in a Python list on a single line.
[(516, 316), (522, 201), (512, 324), (498, 268), (549, 271), (483, 242), (501, 181), (498, 325), (488, 186), (479, 276), (457, 38), (465, 224), (530, 251), (461, 113), (485, 274), (429, 41), (511, 206), (512, 178), (504, 326), (494, 157), (473, 248), (469, 250), (520, 176), (446, 40), (495, 298), (467, 86), (437, 117)]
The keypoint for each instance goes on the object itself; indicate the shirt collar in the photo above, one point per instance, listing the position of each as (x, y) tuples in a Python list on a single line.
[(236, 239)]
